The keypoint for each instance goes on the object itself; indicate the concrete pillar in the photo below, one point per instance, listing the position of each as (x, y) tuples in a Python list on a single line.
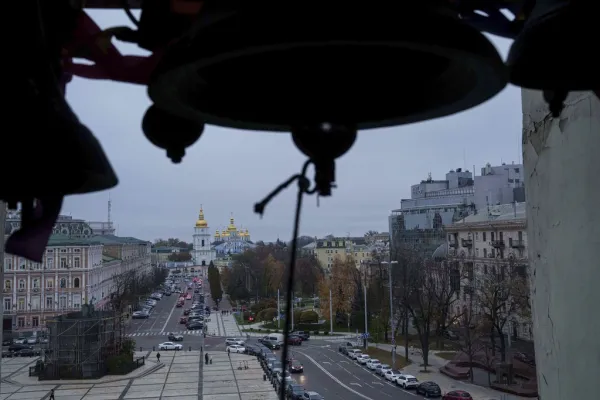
[(562, 167), (2, 222)]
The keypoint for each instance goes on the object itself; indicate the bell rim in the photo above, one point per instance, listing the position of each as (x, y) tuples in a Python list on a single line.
[(477, 56)]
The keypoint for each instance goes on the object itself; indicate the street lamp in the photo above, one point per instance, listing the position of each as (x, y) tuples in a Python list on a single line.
[(365, 339), (390, 264)]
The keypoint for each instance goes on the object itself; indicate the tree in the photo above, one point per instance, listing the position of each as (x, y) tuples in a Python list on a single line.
[(173, 242), (472, 330), (502, 295), (180, 256), (428, 293), (342, 285), (214, 278)]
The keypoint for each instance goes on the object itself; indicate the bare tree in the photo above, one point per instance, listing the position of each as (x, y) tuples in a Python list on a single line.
[(502, 295), (429, 294), (472, 331)]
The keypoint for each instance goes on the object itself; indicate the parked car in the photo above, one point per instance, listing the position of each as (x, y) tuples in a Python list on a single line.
[(429, 389), (407, 381), (230, 341), (457, 395), (391, 375), (363, 359), (382, 369), (294, 391), (183, 320), (372, 363)]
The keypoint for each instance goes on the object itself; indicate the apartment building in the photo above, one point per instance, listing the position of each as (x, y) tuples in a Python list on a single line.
[(357, 248), (486, 243), (74, 271)]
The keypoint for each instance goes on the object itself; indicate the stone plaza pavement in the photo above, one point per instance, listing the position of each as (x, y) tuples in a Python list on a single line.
[(177, 376), (224, 380)]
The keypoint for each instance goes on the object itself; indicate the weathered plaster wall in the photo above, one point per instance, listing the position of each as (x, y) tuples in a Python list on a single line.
[(562, 166)]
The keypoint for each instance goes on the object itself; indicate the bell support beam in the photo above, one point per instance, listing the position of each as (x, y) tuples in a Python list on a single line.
[(2, 223), (561, 161)]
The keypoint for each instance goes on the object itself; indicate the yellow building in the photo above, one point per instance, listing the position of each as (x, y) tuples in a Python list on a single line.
[(328, 249)]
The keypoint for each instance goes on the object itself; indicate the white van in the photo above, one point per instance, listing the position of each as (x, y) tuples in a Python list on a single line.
[(276, 337)]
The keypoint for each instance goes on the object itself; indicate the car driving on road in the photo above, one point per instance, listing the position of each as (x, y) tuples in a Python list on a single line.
[(175, 338), (170, 346), (235, 348)]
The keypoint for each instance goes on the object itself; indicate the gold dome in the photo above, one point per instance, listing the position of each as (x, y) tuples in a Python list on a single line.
[(201, 222), (217, 234), (231, 227), (224, 233)]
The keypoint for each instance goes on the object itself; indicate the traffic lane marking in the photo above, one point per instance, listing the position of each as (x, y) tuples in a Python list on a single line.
[(317, 377), (360, 374)]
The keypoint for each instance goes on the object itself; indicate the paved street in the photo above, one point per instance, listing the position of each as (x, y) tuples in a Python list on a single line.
[(163, 320)]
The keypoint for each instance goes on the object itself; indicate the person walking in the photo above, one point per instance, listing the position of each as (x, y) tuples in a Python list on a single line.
[(206, 358), (51, 394), (157, 357)]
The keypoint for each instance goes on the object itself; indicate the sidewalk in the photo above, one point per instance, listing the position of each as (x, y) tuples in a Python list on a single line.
[(446, 383)]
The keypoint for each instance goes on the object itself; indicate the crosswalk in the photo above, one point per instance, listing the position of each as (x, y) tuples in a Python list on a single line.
[(134, 334)]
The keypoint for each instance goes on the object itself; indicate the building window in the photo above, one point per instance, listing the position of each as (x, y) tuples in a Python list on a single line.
[(35, 321), (485, 252), (202, 242), (21, 303), (21, 283), (63, 262), (76, 262), (8, 264), (76, 282), (49, 283), (485, 271), (484, 234), (21, 322), (36, 283), (477, 236), (49, 302), (7, 304), (63, 283), (7, 284), (62, 302)]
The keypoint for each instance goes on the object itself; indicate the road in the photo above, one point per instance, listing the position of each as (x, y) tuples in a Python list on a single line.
[(151, 331), (335, 376)]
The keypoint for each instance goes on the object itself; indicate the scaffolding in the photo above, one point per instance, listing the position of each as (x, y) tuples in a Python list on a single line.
[(80, 344)]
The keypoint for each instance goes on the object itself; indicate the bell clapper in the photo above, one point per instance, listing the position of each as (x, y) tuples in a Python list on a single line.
[(323, 144), (170, 132)]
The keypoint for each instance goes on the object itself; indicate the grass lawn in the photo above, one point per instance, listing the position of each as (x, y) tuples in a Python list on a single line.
[(386, 357), (446, 355)]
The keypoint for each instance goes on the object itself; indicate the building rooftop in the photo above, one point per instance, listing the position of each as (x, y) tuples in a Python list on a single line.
[(502, 212)]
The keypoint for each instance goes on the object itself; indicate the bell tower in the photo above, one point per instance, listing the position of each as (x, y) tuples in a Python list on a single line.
[(202, 253)]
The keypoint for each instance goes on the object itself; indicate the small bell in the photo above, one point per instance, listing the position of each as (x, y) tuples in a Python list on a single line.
[(273, 65), (552, 53), (169, 132)]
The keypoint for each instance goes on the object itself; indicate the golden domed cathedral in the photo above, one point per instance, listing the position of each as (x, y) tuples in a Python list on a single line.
[(203, 253), (231, 240)]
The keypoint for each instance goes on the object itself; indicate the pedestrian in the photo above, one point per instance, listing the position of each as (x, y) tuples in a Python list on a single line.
[(229, 352), (51, 394), (158, 357), (206, 358)]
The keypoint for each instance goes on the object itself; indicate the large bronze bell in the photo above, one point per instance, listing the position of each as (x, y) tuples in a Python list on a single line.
[(552, 52), (273, 65)]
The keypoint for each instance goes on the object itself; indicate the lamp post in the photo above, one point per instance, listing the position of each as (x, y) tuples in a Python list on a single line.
[(390, 263), (365, 340)]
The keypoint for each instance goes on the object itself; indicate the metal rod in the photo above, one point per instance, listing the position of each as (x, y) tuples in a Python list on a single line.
[(278, 310), (330, 313), (393, 341), (366, 325)]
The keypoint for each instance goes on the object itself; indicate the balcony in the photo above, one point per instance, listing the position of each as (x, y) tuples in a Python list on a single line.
[(498, 244), (452, 244), (517, 244), (467, 243)]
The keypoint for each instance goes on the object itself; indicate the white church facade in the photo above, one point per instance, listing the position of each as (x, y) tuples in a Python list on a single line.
[(203, 253)]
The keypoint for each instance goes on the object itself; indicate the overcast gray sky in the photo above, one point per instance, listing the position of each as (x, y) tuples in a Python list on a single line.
[(227, 171)]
